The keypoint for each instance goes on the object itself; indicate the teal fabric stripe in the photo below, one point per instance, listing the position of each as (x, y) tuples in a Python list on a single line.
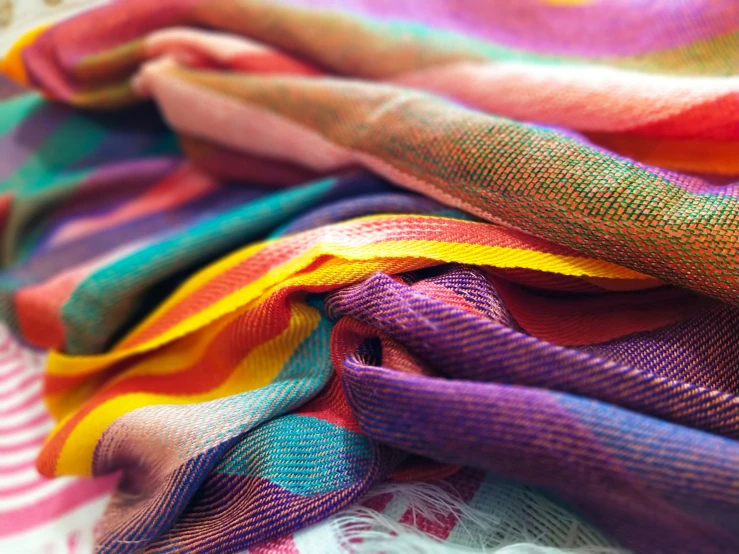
[(32, 202), (302, 377), (166, 145), (74, 139), (112, 293), (457, 42), (17, 109), (301, 454)]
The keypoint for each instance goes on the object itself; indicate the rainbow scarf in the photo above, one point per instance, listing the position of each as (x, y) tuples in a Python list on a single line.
[(376, 243)]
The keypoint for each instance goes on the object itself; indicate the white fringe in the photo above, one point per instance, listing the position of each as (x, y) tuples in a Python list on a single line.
[(360, 530)]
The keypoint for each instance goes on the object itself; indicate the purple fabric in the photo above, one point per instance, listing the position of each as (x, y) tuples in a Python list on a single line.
[(626, 431), (651, 378)]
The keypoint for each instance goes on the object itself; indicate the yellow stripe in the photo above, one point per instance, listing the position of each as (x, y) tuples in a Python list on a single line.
[(256, 370), (334, 273), (345, 263), (439, 252), (356, 252), (175, 357), (12, 64), (196, 282), (415, 255)]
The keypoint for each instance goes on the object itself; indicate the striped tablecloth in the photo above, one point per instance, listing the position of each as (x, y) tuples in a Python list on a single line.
[(37, 514)]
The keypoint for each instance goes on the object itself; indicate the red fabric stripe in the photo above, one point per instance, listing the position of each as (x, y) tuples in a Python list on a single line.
[(228, 348), (714, 120), (362, 233)]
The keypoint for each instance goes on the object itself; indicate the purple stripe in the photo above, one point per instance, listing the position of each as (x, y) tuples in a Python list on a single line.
[(600, 28), (24, 140), (252, 519), (387, 203), (646, 373), (9, 89), (107, 188), (150, 228), (639, 485)]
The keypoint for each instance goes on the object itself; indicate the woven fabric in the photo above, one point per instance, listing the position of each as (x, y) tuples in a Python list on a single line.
[(101, 214), (59, 516), (257, 319), (665, 222)]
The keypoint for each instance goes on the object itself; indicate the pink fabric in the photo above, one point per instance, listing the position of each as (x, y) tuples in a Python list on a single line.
[(588, 98), (35, 511)]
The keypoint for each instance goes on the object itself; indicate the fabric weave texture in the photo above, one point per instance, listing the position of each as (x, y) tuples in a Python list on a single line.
[(285, 252)]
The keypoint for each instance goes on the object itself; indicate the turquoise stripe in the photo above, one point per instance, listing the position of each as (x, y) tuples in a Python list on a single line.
[(304, 374), (107, 298), (17, 109), (55, 190), (33, 205), (167, 145), (76, 138), (455, 42), (301, 454), (28, 203)]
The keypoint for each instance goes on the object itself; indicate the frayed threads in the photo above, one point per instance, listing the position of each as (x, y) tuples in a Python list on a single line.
[(361, 530)]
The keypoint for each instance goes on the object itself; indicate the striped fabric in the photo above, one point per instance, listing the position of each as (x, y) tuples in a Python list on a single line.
[(256, 319), (59, 516), (100, 211), (37, 514), (616, 98)]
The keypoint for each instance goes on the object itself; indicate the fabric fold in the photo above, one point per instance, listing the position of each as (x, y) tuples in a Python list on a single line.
[(286, 253)]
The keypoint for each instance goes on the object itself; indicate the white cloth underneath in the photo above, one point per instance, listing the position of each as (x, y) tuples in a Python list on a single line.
[(19, 16)]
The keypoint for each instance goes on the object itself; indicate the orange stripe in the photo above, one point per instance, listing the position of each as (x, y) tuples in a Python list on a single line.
[(358, 232), (714, 119), (224, 352), (691, 155), (208, 371), (12, 63)]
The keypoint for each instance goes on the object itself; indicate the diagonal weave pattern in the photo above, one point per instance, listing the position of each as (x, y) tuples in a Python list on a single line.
[(287, 252)]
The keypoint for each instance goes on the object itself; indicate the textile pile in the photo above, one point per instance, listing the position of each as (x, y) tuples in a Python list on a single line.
[(286, 252)]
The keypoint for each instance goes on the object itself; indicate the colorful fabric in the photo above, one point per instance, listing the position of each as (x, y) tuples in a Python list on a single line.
[(255, 322), (468, 509), (114, 213)]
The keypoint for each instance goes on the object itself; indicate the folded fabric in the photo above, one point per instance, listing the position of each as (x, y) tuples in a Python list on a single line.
[(559, 307), (646, 218), (468, 508), (102, 214)]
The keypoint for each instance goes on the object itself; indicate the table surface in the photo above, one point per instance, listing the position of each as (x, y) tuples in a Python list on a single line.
[(19, 16)]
